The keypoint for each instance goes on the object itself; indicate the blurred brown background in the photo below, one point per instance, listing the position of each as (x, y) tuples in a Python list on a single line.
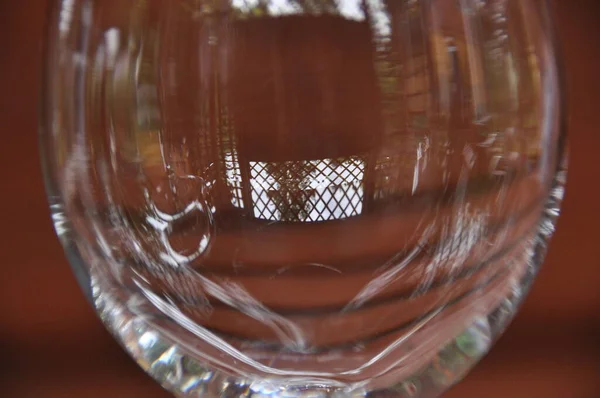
[(52, 345)]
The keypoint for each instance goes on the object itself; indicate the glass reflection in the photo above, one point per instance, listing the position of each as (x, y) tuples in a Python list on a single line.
[(318, 179)]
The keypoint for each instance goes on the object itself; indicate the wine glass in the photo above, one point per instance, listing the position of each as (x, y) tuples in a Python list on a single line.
[(303, 198)]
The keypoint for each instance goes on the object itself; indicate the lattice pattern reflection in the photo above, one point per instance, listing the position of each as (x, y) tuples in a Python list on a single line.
[(307, 191)]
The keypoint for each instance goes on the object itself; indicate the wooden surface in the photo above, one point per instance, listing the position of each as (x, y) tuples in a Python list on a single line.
[(53, 346)]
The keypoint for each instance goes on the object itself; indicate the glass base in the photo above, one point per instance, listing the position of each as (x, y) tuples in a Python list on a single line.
[(184, 374)]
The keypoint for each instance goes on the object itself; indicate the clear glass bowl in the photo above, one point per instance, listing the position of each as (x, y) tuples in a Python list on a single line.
[(296, 198)]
